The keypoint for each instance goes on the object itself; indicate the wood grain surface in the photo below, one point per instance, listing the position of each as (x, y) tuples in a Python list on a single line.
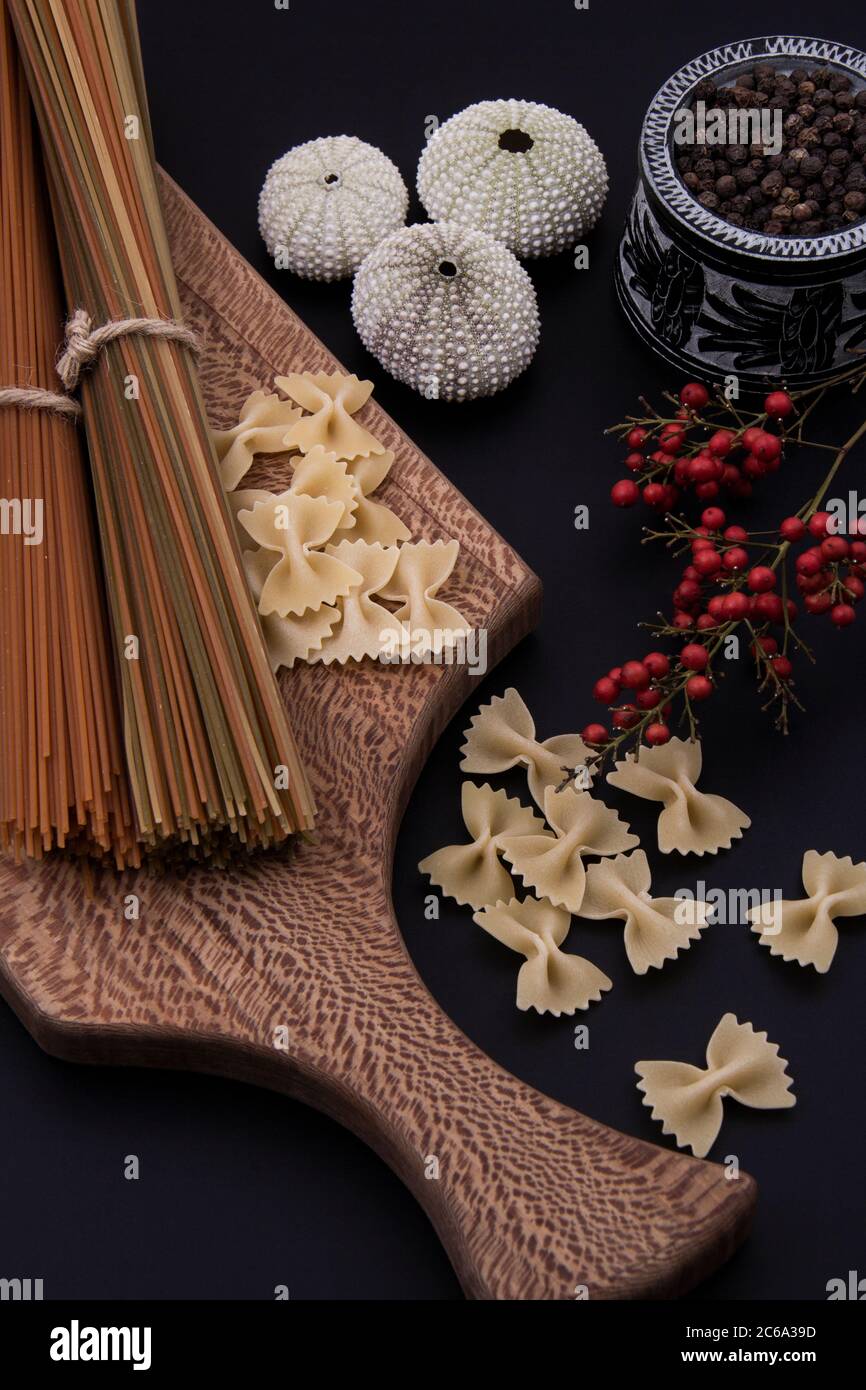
[(532, 1200)]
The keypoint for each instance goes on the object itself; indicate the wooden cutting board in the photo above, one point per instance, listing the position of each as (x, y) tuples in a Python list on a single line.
[(532, 1200)]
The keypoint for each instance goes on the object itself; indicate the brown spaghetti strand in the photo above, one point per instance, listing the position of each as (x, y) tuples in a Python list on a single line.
[(62, 777), (209, 750)]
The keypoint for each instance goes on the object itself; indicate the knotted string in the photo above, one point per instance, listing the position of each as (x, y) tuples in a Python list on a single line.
[(83, 344), (35, 398)]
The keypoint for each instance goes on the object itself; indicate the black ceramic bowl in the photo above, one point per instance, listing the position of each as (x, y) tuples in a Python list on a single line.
[(716, 300)]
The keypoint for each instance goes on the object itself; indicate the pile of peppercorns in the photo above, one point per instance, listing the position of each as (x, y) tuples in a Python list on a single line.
[(817, 184)]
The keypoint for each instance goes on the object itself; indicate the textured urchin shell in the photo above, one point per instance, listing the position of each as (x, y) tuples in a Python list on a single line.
[(326, 204), (447, 310), (524, 173)]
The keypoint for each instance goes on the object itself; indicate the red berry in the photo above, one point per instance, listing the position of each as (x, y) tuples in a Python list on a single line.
[(681, 471), (720, 444), (705, 622), (778, 405), (625, 493), (736, 534), (694, 395), (654, 494), (702, 543), (735, 606), (842, 614), (699, 688), (682, 620), (811, 583), (657, 734), (647, 699), (858, 551), (605, 690), (615, 674), (808, 563), (716, 606), (595, 733), (761, 579), (750, 436), (768, 645), (635, 462), (818, 603), (708, 563), (625, 717), (834, 548), (713, 518), (694, 657), (792, 529), (704, 469), (659, 457), (736, 558), (782, 667), (635, 675), (769, 606), (657, 664), (767, 447), (854, 587), (817, 524), (792, 609), (636, 438), (730, 475), (672, 439), (707, 492), (753, 467), (686, 593)]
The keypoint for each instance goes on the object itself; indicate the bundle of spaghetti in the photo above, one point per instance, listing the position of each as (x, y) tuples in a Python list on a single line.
[(62, 776), (210, 755)]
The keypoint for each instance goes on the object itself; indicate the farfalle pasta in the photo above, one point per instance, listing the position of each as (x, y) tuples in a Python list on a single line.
[(373, 522), (320, 474), (421, 570), (692, 822), (471, 874), (804, 930), (264, 421), (552, 864), (656, 929), (288, 639), (687, 1100), (366, 628), (502, 735), (550, 981), (331, 398), (293, 525)]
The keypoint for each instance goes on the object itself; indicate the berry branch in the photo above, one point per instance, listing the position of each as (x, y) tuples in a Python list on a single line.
[(737, 582)]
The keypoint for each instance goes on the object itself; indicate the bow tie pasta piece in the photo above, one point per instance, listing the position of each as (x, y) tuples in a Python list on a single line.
[(371, 472), (331, 400), (472, 874), (656, 929), (264, 422), (551, 981), (692, 822), (553, 865), (422, 569), (320, 474), (803, 930), (688, 1100), (502, 735), (288, 639), (303, 578), (367, 628), (373, 522)]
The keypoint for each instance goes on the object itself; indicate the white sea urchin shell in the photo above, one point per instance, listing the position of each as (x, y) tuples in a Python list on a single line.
[(325, 205), (447, 310), (524, 173)]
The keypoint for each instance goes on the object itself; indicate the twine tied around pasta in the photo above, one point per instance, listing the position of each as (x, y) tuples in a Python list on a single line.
[(84, 342), (36, 398)]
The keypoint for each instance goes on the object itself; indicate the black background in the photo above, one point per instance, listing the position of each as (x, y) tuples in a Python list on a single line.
[(242, 1190)]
